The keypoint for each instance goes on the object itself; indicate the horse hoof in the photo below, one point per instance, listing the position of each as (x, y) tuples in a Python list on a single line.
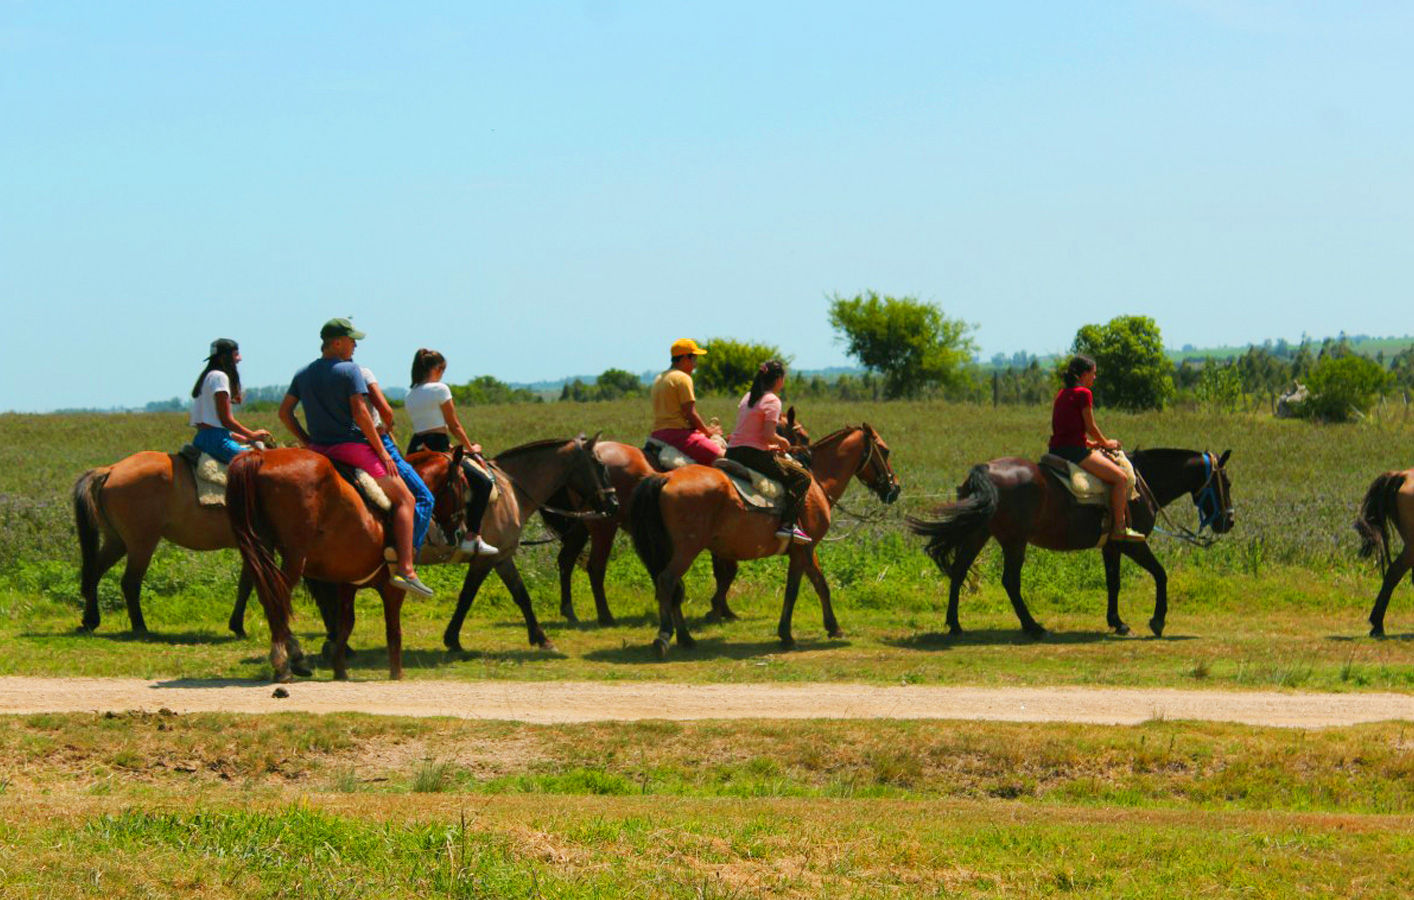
[(1121, 629), (660, 648), (301, 670), (570, 617), (341, 676), (453, 645), (1377, 632), (239, 633), (954, 631), (687, 642), (787, 643), (607, 621), (1036, 631), (282, 678), (87, 628), (549, 647), (1156, 626), (836, 632)]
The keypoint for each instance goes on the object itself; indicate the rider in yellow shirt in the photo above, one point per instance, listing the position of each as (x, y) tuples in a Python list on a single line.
[(675, 418)]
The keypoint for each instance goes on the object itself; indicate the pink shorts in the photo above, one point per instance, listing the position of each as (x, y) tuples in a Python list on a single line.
[(698, 446), (354, 453)]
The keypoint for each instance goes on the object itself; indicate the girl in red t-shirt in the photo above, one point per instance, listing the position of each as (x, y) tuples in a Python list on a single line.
[(1075, 437)]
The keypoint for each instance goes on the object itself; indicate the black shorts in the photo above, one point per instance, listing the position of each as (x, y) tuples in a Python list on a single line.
[(1076, 455), (430, 440)]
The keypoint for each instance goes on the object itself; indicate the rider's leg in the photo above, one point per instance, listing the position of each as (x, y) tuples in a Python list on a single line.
[(422, 498), (476, 510), (1108, 471), (401, 514)]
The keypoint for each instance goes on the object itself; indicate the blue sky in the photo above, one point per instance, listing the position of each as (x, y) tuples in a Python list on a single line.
[(543, 189)]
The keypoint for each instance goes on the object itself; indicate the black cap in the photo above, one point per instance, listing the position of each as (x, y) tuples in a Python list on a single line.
[(223, 345)]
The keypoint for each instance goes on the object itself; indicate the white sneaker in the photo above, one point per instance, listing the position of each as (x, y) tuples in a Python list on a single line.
[(477, 547)]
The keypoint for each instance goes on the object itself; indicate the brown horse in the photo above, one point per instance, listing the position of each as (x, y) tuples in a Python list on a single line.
[(322, 528), (1389, 501), (626, 466), (1016, 502), (675, 517), (126, 509)]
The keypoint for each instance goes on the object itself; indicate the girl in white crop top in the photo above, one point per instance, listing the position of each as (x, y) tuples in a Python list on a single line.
[(216, 390)]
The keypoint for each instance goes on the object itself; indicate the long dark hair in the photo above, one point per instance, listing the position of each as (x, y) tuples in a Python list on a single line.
[(222, 359), (423, 362), (766, 375), (1079, 365)]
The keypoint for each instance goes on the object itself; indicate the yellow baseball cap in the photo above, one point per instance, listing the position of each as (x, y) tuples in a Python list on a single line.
[(686, 347)]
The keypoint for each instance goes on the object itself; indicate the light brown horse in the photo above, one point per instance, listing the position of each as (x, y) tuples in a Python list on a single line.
[(675, 517), (126, 509), (322, 528), (626, 466), (1389, 501)]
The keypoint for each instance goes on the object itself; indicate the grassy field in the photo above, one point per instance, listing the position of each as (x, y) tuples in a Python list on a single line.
[(356, 806), (1279, 602)]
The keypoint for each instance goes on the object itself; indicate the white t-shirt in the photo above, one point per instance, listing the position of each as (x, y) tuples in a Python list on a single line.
[(203, 406), (424, 405), (370, 378)]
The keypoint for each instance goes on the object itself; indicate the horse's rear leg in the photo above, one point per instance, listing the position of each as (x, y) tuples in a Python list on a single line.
[(1397, 567), (797, 566), (1013, 556), (724, 573), (963, 558), (107, 556), (236, 624), (475, 574), (667, 587), (571, 545), (1142, 554), (393, 628), (139, 558), (510, 577), (822, 590), (601, 544), (1110, 554)]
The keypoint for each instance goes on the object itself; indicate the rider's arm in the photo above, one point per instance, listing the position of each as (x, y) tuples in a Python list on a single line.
[(1093, 430), (359, 408), (287, 417), (454, 425), (223, 412), (689, 412), (381, 405)]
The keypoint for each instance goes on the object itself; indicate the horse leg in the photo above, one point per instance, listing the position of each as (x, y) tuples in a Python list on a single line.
[(393, 628), (236, 624), (1110, 554), (138, 560), (510, 577), (1397, 567), (107, 556), (964, 557), (724, 573), (294, 568), (326, 597), (822, 590), (344, 623), (797, 566), (475, 574), (1013, 556), (680, 621), (570, 546), (667, 587), (600, 546), (277, 614), (1144, 556)]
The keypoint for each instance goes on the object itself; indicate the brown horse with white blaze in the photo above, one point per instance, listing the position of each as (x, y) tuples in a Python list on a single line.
[(676, 517)]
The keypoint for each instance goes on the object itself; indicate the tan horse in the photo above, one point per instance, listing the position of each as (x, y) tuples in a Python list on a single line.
[(1389, 501), (675, 517), (126, 509)]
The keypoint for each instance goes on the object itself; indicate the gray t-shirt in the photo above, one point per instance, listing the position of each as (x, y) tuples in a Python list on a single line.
[(323, 388)]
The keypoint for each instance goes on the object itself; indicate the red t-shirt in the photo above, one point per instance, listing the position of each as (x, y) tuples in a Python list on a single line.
[(1067, 419)]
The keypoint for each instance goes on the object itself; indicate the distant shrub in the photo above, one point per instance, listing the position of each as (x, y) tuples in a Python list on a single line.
[(1343, 388), (1219, 387)]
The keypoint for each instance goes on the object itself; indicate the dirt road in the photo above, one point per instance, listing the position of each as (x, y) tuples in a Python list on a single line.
[(551, 702)]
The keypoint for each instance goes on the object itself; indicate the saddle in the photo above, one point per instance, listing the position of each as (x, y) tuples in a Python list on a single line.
[(1086, 488), (759, 493), (377, 501), (664, 457), (208, 474)]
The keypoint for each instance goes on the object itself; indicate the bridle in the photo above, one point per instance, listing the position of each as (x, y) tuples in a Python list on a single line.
[(1211, 499), (603, 499), (884, 480)]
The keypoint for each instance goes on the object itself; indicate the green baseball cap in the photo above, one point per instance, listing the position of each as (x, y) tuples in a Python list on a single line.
[(340, 327)]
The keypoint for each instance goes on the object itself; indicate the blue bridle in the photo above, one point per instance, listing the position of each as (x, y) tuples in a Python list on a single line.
[(1209, 499)]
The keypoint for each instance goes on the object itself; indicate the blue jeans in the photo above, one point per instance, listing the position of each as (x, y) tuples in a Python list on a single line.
[(422, 497), (218, 444)]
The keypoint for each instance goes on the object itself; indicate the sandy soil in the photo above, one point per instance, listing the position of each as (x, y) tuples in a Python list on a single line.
[(552, 702)]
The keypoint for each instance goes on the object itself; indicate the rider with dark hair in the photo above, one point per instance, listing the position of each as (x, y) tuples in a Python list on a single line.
[(1075, 438), (756, 445), (216, 389)]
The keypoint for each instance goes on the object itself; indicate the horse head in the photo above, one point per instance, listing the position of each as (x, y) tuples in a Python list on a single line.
[(589, 479), (874, 470), (1214, 497)]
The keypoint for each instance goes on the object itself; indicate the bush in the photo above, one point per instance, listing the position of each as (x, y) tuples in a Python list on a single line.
[(729, 365), (1219, 388), (1134, 371), (1343, 388), (911, 342), (487, 389)]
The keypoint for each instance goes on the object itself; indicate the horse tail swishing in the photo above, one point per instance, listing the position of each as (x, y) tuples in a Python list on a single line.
[(956, 522), (243, 507), (88, 521), (1377, 511), (650, 536)]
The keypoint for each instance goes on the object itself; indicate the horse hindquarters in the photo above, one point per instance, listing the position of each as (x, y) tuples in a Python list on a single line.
[(99, 547)]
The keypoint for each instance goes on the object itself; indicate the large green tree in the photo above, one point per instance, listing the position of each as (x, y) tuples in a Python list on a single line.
[(1344, 387), (912, 343), (729, 365), (1135, 373)]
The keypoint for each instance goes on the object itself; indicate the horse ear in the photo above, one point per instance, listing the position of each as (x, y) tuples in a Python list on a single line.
[(457, 455), (869, 428), (790, 417), (1222, 460), (594, 440)]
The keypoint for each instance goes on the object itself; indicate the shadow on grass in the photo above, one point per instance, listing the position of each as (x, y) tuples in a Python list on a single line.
[(640, 653), (1365, 637), (133, 637), (941, 640)]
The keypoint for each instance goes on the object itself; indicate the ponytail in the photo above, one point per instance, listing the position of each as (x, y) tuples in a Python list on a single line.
[(766, 375), (423, 362), (1079, 365)]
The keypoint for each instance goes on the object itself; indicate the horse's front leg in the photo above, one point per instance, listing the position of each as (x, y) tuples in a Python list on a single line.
[(1110, 554), (1397, 567), (393, 628), (798, 557), (343, 627), (822, 590), (510, 577), (1144, 556), (571, 544), (475, 574), (1013, 556), (724, 573)]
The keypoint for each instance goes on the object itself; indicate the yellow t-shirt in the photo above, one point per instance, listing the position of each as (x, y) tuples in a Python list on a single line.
[(670, 391)]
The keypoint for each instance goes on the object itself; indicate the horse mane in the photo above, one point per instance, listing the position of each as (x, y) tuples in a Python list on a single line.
[(531, 448), (1164, 454), (835, 436)]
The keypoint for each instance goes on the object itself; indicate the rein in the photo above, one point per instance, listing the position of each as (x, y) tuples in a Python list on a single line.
[(1209, 493), (602, 493)]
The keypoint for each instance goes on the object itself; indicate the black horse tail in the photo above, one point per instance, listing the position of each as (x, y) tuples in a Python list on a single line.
[(645, 523), (1377, 512), (976, 503), (88, 522), (243, 509)]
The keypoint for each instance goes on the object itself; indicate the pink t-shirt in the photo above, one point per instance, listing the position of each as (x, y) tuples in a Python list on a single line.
[(756, 425)]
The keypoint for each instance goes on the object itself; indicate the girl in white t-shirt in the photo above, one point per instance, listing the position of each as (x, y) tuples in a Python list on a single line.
[(433, 413), (217, 388)]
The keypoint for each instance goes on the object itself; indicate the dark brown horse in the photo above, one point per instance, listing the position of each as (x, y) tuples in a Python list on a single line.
[(294, 500), (1389, 501), (675, 517), (1018, 502), (127, 509), (626, 466)]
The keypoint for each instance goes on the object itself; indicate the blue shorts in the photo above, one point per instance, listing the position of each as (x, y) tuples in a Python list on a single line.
[(218, 443), (421, 496)]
